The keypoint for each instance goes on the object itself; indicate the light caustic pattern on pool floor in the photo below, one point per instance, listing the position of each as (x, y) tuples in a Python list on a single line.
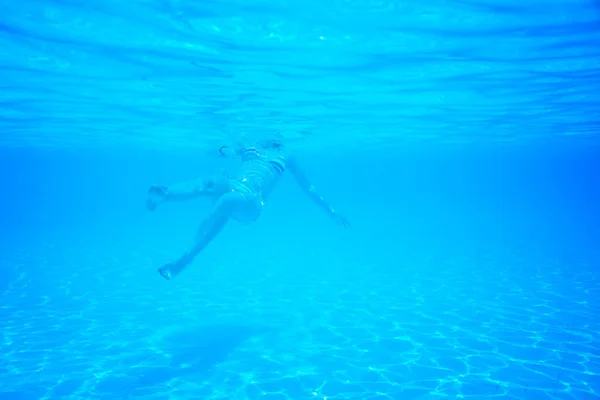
[(418, 333)]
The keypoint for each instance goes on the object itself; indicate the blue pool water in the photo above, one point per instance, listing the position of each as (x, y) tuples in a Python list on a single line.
[(460, 139)]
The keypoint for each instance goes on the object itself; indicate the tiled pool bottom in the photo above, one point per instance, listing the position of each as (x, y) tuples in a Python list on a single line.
[(422, 332)]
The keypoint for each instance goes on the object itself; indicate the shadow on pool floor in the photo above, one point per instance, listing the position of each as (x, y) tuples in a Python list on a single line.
[(186, 353)]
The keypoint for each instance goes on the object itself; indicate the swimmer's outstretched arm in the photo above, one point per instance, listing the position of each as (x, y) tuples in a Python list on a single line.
[(310, 190)]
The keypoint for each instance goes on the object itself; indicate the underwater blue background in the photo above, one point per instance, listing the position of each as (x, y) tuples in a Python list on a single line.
[(459, 138)]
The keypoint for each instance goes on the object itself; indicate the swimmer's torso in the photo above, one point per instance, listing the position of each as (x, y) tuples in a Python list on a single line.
[(260, 171)]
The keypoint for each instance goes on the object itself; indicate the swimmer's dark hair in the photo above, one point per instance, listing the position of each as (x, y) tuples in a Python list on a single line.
[(266, 144), (272, 144)]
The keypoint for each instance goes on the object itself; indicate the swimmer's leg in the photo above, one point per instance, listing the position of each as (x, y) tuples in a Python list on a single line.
[(228, 204), (158, 194)]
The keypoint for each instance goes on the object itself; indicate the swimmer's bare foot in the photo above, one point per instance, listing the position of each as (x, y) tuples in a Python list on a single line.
[(166, 271), (156, 195)]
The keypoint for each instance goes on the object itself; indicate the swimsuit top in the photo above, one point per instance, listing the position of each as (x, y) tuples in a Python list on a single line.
[(260, 173), (251, 153)]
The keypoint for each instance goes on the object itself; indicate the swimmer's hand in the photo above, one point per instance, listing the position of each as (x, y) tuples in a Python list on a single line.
[(341, 220)]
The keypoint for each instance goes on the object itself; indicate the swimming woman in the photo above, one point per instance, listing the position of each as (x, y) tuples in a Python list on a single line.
[(240, 197)]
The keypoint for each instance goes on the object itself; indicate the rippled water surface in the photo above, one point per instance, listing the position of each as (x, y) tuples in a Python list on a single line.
[(175, 72)]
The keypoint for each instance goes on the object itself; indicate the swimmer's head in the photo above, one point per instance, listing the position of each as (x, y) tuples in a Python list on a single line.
[(237, 149), (275, 144), (231, 151)]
